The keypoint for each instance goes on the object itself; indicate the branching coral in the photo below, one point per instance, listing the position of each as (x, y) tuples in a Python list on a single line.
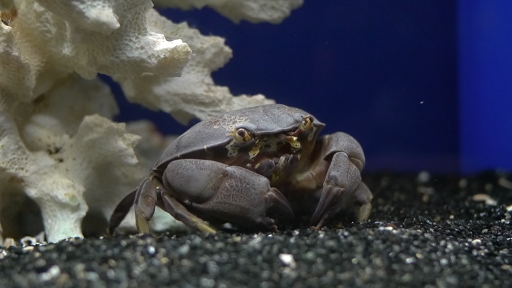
[(254, 11), (57, 144), (194, 94), (59, 153), (70, 163)]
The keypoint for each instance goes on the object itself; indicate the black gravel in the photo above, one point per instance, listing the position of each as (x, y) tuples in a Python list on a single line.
[(423, 232)]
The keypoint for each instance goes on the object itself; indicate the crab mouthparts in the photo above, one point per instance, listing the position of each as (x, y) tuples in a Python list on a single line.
[(274, 146)]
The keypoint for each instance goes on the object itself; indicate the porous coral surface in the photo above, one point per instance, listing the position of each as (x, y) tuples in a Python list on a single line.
[(62, 158), (254, 11), (194, 94)]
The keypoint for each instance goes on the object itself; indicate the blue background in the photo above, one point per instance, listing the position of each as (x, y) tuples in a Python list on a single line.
[(485, 75), (385, 72)]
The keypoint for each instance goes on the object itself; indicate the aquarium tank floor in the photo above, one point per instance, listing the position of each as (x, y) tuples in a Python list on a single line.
[(424, 231)]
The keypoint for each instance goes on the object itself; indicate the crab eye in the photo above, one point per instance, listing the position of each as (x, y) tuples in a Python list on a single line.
[(307, 123), (242, 135)]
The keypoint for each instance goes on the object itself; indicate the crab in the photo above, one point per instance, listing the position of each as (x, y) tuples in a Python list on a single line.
[(244, 165)]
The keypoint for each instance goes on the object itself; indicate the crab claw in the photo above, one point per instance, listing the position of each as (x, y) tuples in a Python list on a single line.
[(228, 193)]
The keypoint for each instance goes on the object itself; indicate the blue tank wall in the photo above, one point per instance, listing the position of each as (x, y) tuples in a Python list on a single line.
[(485, 77), (383, 71)]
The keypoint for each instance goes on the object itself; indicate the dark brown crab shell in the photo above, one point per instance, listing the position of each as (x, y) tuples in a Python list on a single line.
[(206, 139)]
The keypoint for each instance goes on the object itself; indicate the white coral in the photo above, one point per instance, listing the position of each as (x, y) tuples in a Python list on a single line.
[(254, 11), (127, 51), (57, 145), (43, 113), (73, 163), (194, 94), (56, 167)]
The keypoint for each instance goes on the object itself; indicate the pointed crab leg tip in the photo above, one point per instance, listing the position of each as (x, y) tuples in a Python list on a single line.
[(315, 228), (120, 212), (110, 230), (142, 224), (316, 223), (280, 203), (205, 228), (326, 204), (364, 212), (318, 215)]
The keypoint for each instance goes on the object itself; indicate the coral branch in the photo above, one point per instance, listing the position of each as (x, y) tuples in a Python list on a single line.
[(194, 94), (254, 11)]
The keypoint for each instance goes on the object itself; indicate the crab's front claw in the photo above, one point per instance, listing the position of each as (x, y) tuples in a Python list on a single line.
[(223, 192), (342, 188)]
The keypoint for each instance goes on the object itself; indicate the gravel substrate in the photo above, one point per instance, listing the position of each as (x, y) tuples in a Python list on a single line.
[(424, 231)]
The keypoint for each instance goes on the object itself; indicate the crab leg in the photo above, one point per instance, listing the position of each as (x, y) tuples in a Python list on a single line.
[(342, 188), (143, 199), (120, 212), (145, 202), (180, 213)]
